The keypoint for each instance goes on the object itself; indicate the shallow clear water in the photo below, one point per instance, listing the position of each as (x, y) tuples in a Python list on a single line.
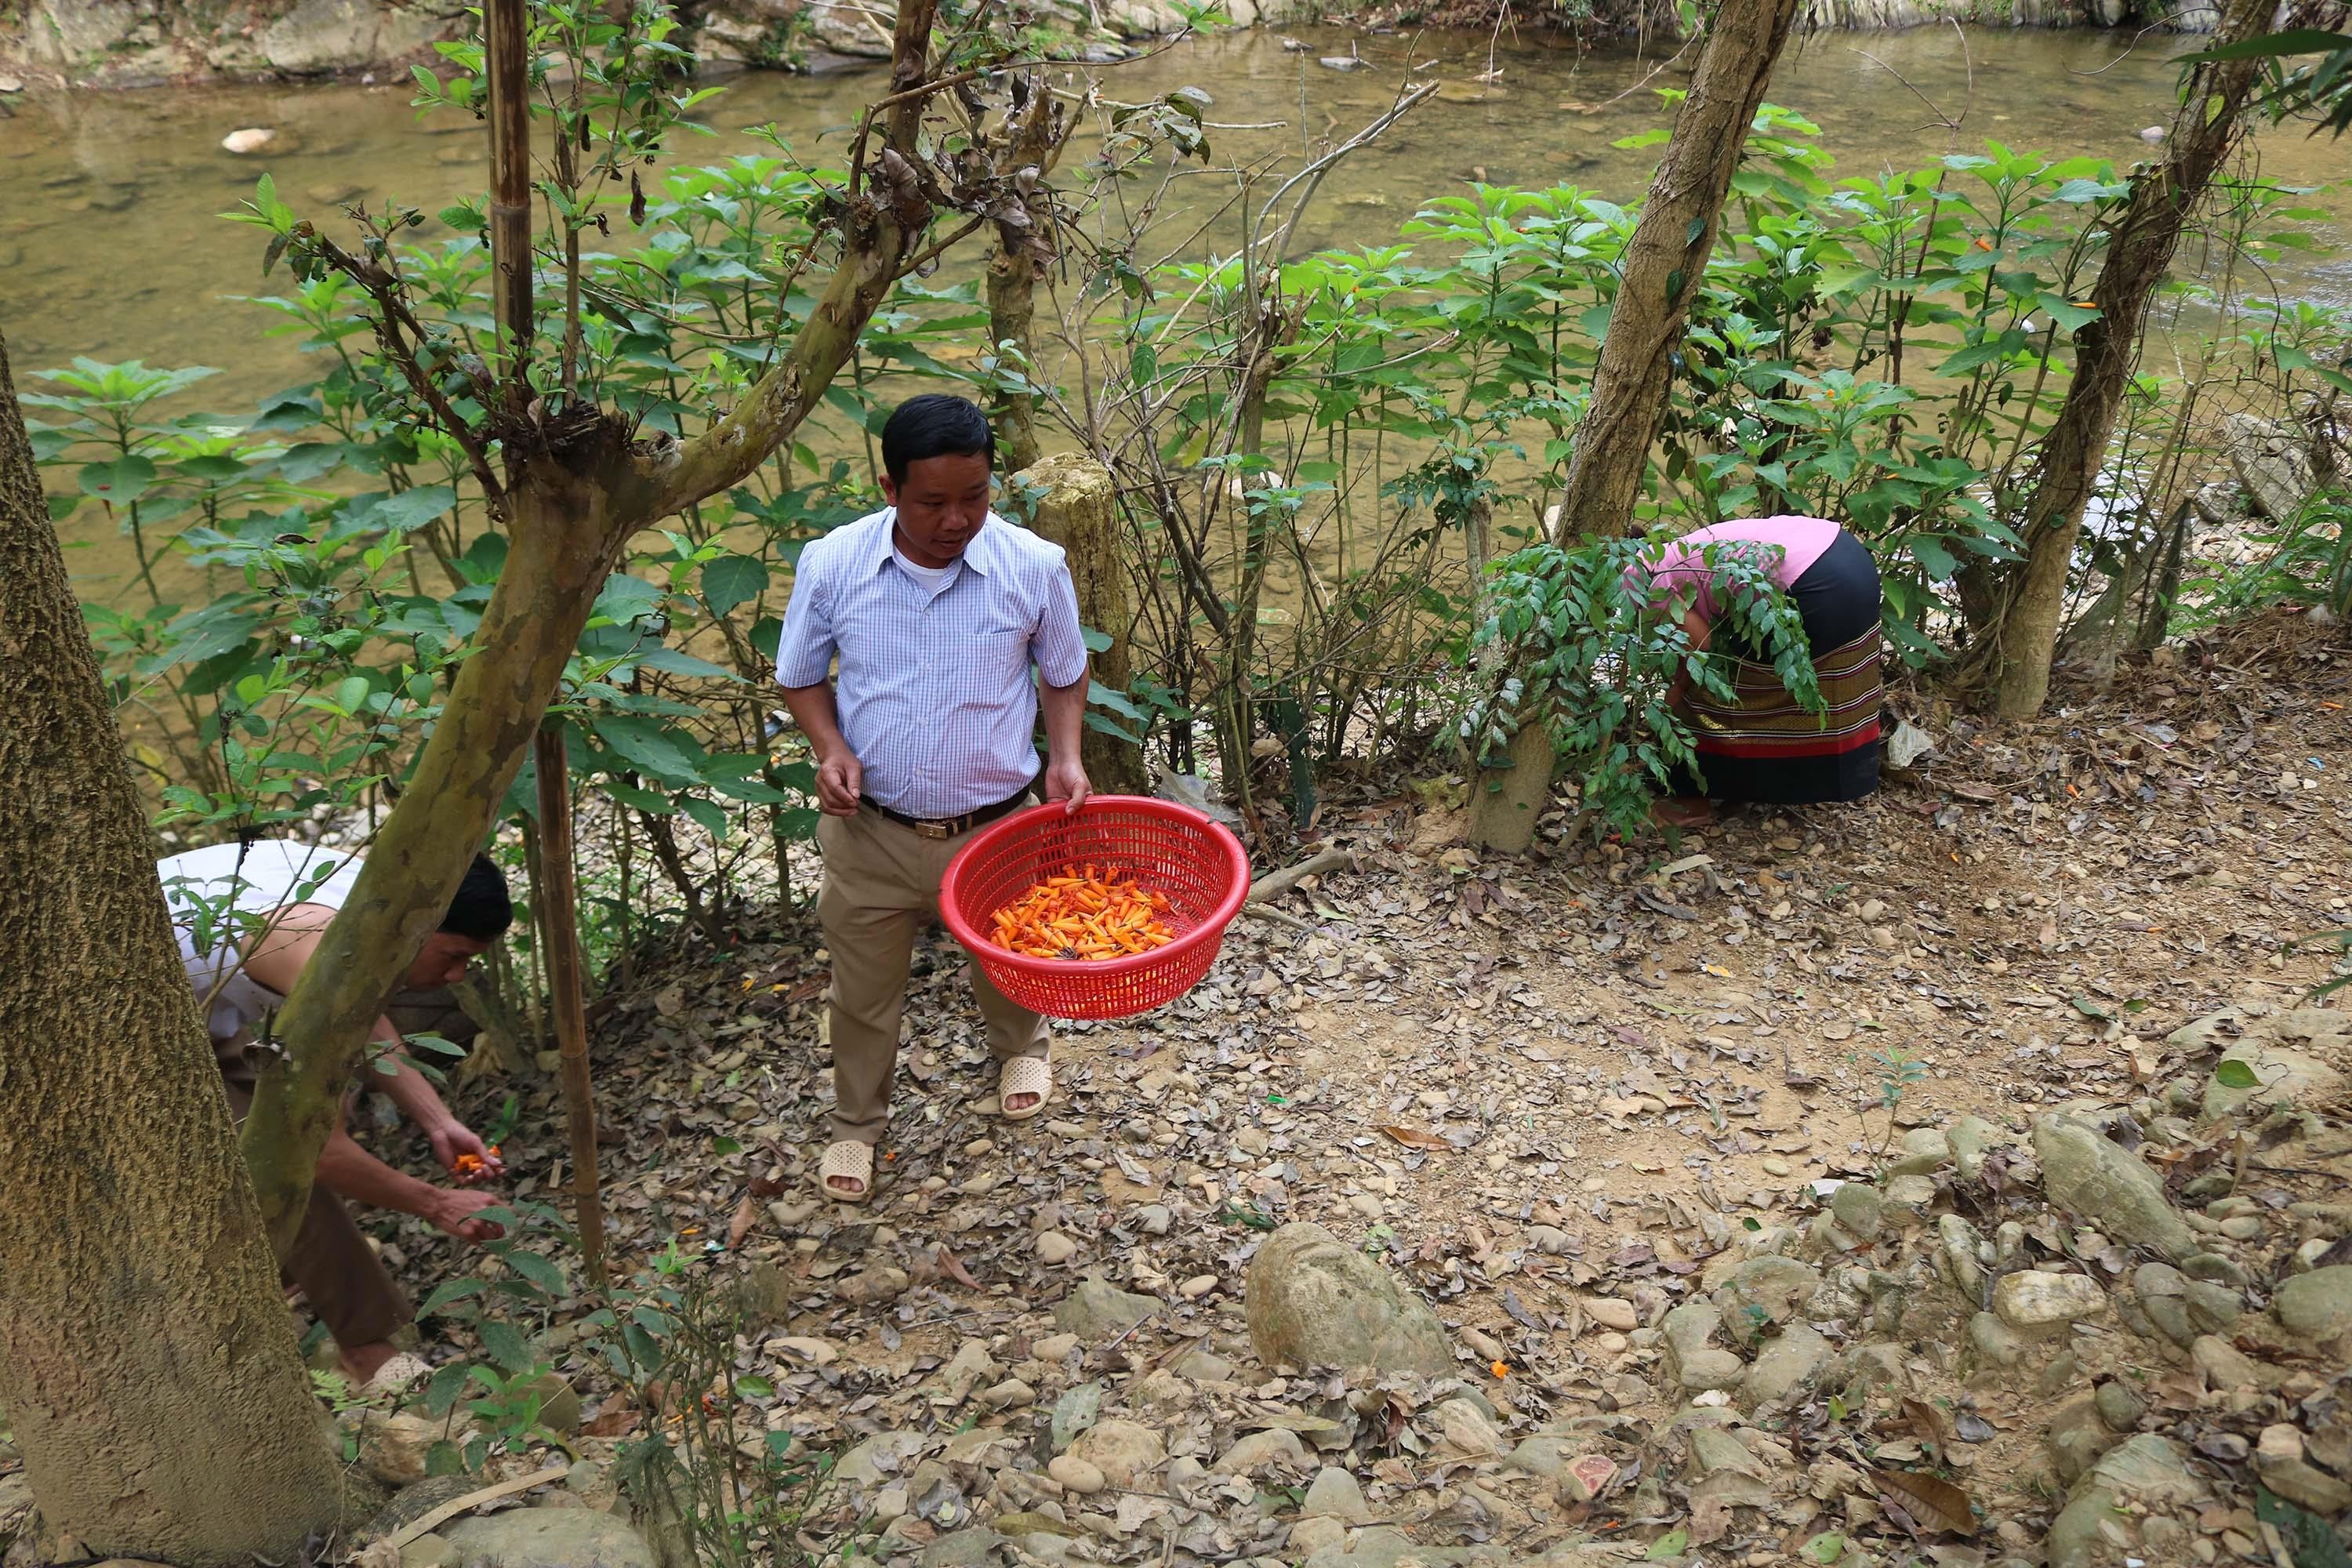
[(112, 247)]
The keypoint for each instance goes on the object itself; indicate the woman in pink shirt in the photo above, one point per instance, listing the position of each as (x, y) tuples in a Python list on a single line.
[(1764, 745)]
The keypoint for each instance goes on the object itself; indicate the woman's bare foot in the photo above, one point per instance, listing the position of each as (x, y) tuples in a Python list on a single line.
[(1684, 811)]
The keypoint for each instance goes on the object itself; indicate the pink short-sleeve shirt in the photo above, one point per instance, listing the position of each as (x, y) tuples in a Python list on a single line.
[(1802, 540)]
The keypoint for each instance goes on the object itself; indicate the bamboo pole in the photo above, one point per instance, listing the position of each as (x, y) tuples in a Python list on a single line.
[(558, 898), (506, 36)]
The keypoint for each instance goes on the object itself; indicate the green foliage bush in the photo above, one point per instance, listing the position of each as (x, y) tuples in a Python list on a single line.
[(1324, 457)]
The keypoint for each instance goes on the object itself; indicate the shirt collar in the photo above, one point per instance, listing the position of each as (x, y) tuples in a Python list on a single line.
[(980, 554)]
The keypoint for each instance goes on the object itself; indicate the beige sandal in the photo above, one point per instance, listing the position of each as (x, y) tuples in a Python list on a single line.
[(850, 1159), (396, 1376), (1024, 1075)]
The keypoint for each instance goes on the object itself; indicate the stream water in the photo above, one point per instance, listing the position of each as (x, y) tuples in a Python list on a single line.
[(112, 247)]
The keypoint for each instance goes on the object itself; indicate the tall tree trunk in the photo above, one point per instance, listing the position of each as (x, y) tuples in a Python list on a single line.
[(1011, 289), (1664, 265), (563, 533), (147, 1364), (572, 505), (2025, 638), (1025, 244), (1079, 511)]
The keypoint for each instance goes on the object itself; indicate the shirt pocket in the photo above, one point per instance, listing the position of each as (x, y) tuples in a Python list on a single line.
[(996, 672)]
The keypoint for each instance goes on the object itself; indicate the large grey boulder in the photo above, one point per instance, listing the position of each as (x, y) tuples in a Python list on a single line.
[(2148, 1468), (1784, 1366), (1097, 1308), (345, 34), (2318, 1305), (2272, 461), (547, 1538), (2107, 1185), (1314, 1300), (2301, 1057)]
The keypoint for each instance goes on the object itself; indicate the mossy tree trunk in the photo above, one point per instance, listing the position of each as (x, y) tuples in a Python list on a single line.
[(2023, 639), (570, 504), (1026, 245), (147, 1362), (1078, 509)]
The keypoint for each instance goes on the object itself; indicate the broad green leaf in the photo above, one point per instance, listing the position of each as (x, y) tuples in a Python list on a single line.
[(732, 580), (447, 1382), (449, 1290), (504, 1344), (2066, 313), (712, 817), (403, 513), (625, 598), (1101, 696), (669, 661), (540, 1271), (2292, 41), (649, 748), (122, 481)]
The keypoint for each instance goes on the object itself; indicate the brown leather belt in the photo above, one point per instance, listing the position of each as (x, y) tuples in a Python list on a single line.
[(949, 826)]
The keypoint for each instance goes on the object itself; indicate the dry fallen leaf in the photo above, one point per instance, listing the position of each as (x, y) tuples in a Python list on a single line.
[(1927, 1422), (952, 1266), (1936, 1505), (613, 1421), (747, 1214), (1414, 1138)]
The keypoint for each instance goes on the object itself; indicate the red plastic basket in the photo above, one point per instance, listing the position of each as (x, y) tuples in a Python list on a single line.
[(1199, 865)]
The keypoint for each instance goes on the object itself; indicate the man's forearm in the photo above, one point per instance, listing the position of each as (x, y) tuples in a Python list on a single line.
[(351, 1171), (813, 709), (1066, 716), (407, 1087)]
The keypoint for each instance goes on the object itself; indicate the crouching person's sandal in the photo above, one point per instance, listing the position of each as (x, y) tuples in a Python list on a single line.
[(847, 1160), (396, 1376)]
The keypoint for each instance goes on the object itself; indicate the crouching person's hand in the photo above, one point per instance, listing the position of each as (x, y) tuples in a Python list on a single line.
[(459, 1214)]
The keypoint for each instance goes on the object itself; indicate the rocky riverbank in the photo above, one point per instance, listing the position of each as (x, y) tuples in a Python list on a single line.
[(145, 43), (1961, 1178)]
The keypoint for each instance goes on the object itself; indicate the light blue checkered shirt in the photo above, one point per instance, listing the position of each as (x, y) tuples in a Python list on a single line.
[(934, 691)]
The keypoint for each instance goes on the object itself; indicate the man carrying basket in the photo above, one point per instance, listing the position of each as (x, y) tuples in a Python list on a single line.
[(936, 611)]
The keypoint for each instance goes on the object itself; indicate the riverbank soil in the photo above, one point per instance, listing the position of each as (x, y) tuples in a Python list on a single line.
[(1847, 1185)]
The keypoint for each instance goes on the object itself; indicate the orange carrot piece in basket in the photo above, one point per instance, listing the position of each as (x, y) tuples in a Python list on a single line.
[(1084, 913)]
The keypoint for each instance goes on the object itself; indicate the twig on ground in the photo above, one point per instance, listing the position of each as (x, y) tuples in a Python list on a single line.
[(1274, 884), (420, 1528)]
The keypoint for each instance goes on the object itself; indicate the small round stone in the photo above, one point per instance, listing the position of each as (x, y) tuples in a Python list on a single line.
[(1075, 1475)]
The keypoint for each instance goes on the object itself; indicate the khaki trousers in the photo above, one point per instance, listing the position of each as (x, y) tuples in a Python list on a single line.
[(882, 881), (347, 1285)]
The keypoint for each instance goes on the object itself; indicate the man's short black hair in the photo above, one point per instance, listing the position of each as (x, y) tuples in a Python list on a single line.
[(482, 910), (936, 424)]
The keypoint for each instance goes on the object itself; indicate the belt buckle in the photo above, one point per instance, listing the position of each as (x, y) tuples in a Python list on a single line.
[(934, 830)]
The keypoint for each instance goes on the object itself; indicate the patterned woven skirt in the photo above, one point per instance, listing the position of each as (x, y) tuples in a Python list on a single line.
[(1768, 748)]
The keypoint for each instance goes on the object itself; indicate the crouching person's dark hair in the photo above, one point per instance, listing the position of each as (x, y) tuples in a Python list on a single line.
[(482, 908)]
